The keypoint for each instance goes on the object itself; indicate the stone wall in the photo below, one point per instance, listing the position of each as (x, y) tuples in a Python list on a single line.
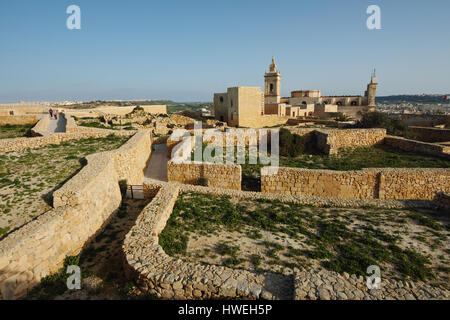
[(386, 183), (442, 199), (18, 144), (261, 121), (413, 183), (41, 128), (330, 141), (429, 134), (227, 176), (170, 278), (14, 120), (418, 146), (82, 207)]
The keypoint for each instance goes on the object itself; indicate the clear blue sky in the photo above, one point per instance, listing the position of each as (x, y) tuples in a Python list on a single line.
[(186, 50)]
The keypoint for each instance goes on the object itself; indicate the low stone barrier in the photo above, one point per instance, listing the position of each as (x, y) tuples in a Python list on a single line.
[(170, 278), (330, 141), (418, 146), (427, 134), (41, 128), (82, 207), (227, 176), (16, 120), (384, 183)]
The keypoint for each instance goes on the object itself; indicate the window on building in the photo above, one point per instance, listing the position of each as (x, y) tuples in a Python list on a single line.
[(271, 87), (221, 99), (354, 103)]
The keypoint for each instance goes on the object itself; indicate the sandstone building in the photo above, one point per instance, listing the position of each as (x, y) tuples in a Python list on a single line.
[(249, 106)]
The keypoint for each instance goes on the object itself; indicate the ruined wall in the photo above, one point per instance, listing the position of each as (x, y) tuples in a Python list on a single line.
[(429, 134), (172, 278), (386, 183), (227, 176), (167, 277), (330, 141), (13, 120), (417, 146), (82, 207)]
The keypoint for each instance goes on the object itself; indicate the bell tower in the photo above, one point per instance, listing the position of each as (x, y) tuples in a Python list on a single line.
[(272, 92), (372, 90)]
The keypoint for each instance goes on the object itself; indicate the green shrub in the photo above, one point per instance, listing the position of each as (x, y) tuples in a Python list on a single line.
[(291, 145)]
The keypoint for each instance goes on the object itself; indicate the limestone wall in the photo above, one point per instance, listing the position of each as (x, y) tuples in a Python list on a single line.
[(17, 144), (321, 183), (418, 146), (267, 120), (41, 128), (82, 207), (413, 183), (386, 183), (227, 176), (13, 120), (171, 278), (427, 134), (330, 141)]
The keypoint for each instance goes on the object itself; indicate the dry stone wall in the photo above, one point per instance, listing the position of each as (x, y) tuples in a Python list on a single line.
[(18, 144), (14, 120), (426, 134), (330, 141), (418, 146), (82, 207), (386, 183), (227, 176), (172, 278)]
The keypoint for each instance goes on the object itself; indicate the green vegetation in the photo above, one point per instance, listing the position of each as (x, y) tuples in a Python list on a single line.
[(382, 120), (15, 131), (364, 157), (338, 239), (291, 145), (29, 177)]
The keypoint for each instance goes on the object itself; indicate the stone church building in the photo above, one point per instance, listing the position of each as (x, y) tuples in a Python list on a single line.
[(250, 107)]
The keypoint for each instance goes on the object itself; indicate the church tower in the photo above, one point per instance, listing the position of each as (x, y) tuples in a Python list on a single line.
[(372, 90), (272, 92)]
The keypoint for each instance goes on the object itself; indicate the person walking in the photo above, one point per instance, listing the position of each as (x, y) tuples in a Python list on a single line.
[(56, 115), (51, 113)]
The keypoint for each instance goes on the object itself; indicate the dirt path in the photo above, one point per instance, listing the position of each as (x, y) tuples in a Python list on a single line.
[(58, 125), (157, 166)]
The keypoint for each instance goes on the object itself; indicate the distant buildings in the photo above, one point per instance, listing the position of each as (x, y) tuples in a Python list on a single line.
[(250, 107)]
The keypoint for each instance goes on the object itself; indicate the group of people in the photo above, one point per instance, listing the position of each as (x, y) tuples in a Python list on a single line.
[(53, 114)]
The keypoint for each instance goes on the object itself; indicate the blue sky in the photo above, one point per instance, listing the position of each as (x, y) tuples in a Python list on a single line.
[(187, 50)]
